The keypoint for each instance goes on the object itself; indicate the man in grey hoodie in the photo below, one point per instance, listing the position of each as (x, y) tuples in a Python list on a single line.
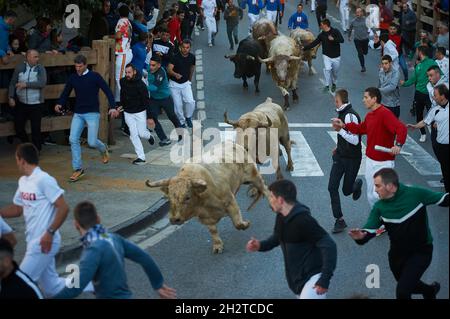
[(27, 97), (389, 78), (361, 36)]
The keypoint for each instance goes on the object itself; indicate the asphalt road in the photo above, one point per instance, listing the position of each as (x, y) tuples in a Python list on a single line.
[(184, 255)]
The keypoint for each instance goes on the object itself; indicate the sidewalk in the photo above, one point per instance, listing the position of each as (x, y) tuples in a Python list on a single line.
[(117, 189)]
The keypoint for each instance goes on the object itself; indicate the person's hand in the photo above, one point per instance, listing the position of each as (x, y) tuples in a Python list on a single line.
[(46, 242), (21, 85), (167, 292), (411, 126), (151, 123), (253, 245), (113, 113), (337, 124), (395, 150), (333, 151), (12, 102), (58, 108), (320, 290), (402, 82), (357, 234), (178, 76), (435, 125), (330, 38), (159, 53), (10, 53)]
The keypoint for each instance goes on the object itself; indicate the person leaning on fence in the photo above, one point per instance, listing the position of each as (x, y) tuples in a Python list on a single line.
[(27, 85), (103, 260), (6, 23), (86, 84)]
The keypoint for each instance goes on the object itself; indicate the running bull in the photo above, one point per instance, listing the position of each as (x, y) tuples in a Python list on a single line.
[(284, 62), (303, 38), (266, 115), (246, 63), (207, 191)]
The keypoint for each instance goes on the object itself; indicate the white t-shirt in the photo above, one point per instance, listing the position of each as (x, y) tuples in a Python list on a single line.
[(208, 7), (4, 228), (37, 194), (443, 65), (123, 46)]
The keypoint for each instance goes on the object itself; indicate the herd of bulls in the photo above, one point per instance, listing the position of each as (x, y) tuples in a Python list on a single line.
[(207, 189)]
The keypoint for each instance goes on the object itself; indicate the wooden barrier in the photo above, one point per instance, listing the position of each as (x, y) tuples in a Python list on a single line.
[(101, 57)]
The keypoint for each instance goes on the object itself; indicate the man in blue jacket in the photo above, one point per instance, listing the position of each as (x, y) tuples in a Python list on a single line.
[(272, 6), (298, 19), (254, 9), (103, 260)]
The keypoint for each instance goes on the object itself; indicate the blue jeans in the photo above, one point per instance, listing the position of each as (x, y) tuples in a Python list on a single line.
[(403, 66), (92, 121)]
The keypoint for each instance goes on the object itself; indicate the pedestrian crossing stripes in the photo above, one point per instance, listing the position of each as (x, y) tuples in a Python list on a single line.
[(306, 164)]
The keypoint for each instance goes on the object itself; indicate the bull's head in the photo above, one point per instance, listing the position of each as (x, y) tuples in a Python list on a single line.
[(183, 196), (281, 64), (240, 61)]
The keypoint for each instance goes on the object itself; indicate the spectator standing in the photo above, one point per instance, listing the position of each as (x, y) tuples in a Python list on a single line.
[(6, 23), (39, 36)]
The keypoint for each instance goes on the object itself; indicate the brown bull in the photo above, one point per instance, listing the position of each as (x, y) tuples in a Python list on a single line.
[(266, 115), (207, 191), (303, 38), (284, 62)]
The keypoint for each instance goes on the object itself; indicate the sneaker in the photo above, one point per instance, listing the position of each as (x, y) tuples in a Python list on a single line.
[(363, 69), (231, 48), (189, 122), (165, 142), (339, 226), (210, 45), (380, 231), (139, 161), (105, 155), (423, 138), (436, 288), (79, 173), (326, 89), (357, 186), (333, 88), (151, 140)]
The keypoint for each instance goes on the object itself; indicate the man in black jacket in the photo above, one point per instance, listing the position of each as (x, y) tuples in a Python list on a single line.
[(346, 160), (331, 40), (134, 100), (309, 252)]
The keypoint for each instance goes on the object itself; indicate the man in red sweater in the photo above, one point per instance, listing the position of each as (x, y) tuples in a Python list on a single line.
[(386, 17), (174, 26), (382, 128)]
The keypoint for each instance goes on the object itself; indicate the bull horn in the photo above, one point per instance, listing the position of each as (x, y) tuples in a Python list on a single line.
[(263, 37), (160, 183), (265, 60), (266, 125), (294, 58), (249, 57), (229, 56), (225, 118)]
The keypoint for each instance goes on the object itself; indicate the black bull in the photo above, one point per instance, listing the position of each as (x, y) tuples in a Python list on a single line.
[(246, 62)]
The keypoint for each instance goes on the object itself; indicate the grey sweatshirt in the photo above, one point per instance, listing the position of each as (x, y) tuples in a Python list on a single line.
[(35, 77), (388, 85), (361, 30)]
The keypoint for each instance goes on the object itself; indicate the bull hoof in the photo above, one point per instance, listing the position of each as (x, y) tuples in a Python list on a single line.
[(290, 167), (286, 107), (243, 226), (252, 192), (217, 249)]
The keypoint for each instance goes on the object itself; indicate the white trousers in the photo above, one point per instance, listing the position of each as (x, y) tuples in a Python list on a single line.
[(211, 26), (41, 268), (121, 61), (253, 18), (313, 5), (182, 95), (137, 123), (331, 69), (345, 17), (371, 168), (271, 15), (308, 291)]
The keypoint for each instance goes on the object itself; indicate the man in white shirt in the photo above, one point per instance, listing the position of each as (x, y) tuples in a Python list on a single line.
[(7, 233), (442, 61), (388, 48), (344, 10), (40, 200)]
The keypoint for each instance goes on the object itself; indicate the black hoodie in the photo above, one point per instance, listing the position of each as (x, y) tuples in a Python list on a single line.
[(307, 248), (134, 96)]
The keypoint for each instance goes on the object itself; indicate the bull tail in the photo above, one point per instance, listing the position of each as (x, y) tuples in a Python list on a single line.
[(257, 198)]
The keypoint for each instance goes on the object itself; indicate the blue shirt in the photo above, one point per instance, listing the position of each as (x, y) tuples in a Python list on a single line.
[(86, 87), (273, 5), (158, 84), (4, 37), (139, 54), (298, 20), (253, 8), (103, 263)]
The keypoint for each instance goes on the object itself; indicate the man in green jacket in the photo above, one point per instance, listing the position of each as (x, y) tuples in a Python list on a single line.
[(420, 80)]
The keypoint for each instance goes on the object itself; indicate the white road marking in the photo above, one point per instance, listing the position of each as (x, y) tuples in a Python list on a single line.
[(362, 168), (200, 95), (435, 184), (199, 77), (166, 232), (305, 163), (421, 160), (292, 125), (199, 69), (200, 105)]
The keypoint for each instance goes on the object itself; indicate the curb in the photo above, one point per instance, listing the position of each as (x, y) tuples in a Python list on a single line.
[(154, 213)]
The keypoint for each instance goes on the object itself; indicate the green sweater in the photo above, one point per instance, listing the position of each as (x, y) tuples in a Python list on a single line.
[(405, 217), (419, 77)]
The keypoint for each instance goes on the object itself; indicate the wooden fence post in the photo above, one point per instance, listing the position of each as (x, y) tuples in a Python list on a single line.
[(103, 68)]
